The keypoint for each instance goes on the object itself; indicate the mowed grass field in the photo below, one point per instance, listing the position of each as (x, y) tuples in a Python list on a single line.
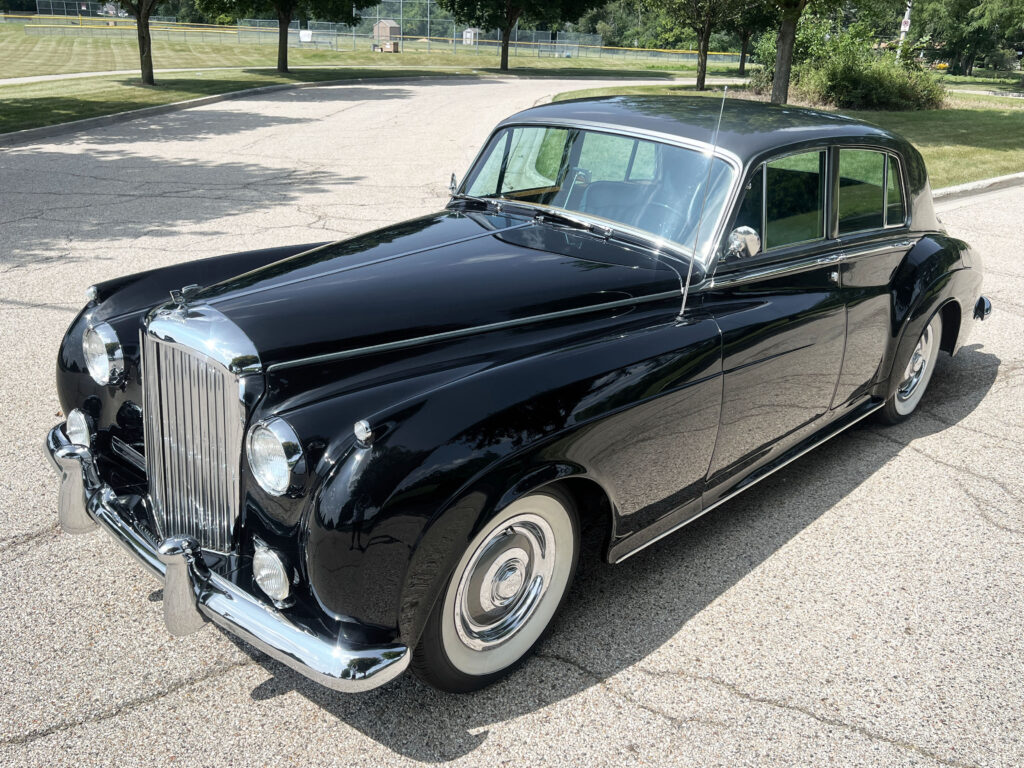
[(24, 55), (974, 137)]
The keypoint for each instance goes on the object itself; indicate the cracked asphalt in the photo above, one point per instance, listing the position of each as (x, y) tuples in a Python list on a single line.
[(861, 607)]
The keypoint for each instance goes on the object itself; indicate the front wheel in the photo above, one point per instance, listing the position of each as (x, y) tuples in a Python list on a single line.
[(502, 595), (915, 375)]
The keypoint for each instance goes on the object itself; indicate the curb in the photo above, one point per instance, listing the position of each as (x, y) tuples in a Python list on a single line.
[(32, 134), (978, 187)]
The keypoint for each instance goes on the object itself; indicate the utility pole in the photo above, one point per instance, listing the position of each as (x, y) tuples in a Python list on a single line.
[(904, 28)]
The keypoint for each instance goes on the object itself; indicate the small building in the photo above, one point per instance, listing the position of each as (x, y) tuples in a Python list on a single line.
[(386, 31), (471, 36)]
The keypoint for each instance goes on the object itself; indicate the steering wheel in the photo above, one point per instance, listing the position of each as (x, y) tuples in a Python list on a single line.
[(661, 216)]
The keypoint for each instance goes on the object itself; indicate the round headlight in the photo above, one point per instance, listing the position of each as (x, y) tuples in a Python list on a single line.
[(103, 355), (274, 451), (270, 573), (78, 429)]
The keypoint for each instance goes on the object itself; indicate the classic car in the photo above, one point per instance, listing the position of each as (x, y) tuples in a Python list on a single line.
[(377, 453)]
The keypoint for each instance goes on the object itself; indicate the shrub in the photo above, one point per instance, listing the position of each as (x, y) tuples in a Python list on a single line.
[(863, 79)]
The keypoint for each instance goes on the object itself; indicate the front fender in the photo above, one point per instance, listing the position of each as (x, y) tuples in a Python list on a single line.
[(393, 517)]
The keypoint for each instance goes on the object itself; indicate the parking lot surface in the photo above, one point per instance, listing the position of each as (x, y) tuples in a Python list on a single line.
[(864, 606)]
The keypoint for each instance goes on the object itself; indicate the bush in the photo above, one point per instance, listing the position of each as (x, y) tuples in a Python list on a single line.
[(864, 79)]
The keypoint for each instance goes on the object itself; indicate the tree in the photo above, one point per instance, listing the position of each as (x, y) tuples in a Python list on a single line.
[(343, 11), (750, 19), (703, 17), (789, 15), (963, 30), (503, 15), (141, 10)]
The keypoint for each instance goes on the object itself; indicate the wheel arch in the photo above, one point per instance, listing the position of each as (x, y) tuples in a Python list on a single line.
[(438, 551), (933, 277)]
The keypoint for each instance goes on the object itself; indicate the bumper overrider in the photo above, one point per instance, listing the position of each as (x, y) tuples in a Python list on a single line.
[(193, 593)]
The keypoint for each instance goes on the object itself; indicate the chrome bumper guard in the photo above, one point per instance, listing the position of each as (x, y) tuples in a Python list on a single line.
[(192, 591)]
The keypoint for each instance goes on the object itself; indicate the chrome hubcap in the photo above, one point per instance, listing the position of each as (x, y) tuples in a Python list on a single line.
[(504, 582), (917, 366)]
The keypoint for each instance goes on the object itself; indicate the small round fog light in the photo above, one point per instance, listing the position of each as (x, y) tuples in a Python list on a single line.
[(270, 573), (78, 429)]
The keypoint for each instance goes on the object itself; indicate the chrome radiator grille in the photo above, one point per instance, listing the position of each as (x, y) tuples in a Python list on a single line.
[(194, 422)]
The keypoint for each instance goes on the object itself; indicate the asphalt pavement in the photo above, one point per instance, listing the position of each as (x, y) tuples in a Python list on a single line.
[(861, 607)]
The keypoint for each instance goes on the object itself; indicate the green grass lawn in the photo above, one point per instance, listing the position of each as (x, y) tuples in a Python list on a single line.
[(973, 137), (985, 81), (25, 55)]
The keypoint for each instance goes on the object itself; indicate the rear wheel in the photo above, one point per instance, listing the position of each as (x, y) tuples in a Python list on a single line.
[(915, 374), (503, 594)]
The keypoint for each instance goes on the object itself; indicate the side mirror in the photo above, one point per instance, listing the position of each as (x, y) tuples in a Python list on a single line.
[(744, 242), (453, 184)]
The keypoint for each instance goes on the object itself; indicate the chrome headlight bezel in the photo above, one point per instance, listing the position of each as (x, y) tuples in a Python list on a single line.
[(79, 428), (290, 460), (109, 371)]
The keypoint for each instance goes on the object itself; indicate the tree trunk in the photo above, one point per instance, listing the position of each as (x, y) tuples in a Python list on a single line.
[(145, 43), (506, 35), (784, 55), (704, 41), (284, 18), (744, 48)]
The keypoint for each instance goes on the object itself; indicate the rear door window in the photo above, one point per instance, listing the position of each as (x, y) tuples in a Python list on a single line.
[(861, 190)]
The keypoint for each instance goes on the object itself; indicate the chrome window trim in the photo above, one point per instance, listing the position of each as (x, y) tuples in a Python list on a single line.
[(887, 154), (825, 198), (704, 148), (903, 193), (771, 271), (853, 253)]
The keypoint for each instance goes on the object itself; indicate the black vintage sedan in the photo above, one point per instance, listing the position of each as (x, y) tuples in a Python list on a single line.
[(369, 454)]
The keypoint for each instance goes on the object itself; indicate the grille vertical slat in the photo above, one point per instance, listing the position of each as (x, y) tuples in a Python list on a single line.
[(193, 438)]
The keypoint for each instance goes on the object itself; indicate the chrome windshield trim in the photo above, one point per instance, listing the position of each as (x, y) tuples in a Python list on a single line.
[(206, 330), (461, 332), (702, 147)]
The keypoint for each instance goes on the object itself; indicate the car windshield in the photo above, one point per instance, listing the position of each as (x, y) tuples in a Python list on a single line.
[(629, 183)]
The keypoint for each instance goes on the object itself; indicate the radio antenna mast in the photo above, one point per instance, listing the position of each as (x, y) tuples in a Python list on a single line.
[(704, 201)]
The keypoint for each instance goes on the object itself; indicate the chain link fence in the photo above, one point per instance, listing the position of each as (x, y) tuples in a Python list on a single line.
[(393, 26)]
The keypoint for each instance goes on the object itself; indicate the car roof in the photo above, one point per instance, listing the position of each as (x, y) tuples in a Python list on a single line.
[(749, 128)]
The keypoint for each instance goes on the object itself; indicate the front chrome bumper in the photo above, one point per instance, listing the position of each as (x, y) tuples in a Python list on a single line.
[(192, 591)]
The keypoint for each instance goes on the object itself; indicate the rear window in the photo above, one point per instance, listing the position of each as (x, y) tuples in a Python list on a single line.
[(895, 212)]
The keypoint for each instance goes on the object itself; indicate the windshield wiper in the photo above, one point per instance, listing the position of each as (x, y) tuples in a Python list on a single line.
[(573, 221), (486, 202)]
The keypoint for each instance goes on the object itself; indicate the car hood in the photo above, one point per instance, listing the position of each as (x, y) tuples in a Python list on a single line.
[(446, 272)]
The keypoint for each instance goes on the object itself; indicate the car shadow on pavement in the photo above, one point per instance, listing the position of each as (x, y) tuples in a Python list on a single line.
[(616, 616), (117, 196)]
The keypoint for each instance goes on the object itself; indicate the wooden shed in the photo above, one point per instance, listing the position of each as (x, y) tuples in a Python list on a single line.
[(386, 31)]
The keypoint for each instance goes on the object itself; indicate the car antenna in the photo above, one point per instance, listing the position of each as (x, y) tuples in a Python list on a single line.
[(704, 201)]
